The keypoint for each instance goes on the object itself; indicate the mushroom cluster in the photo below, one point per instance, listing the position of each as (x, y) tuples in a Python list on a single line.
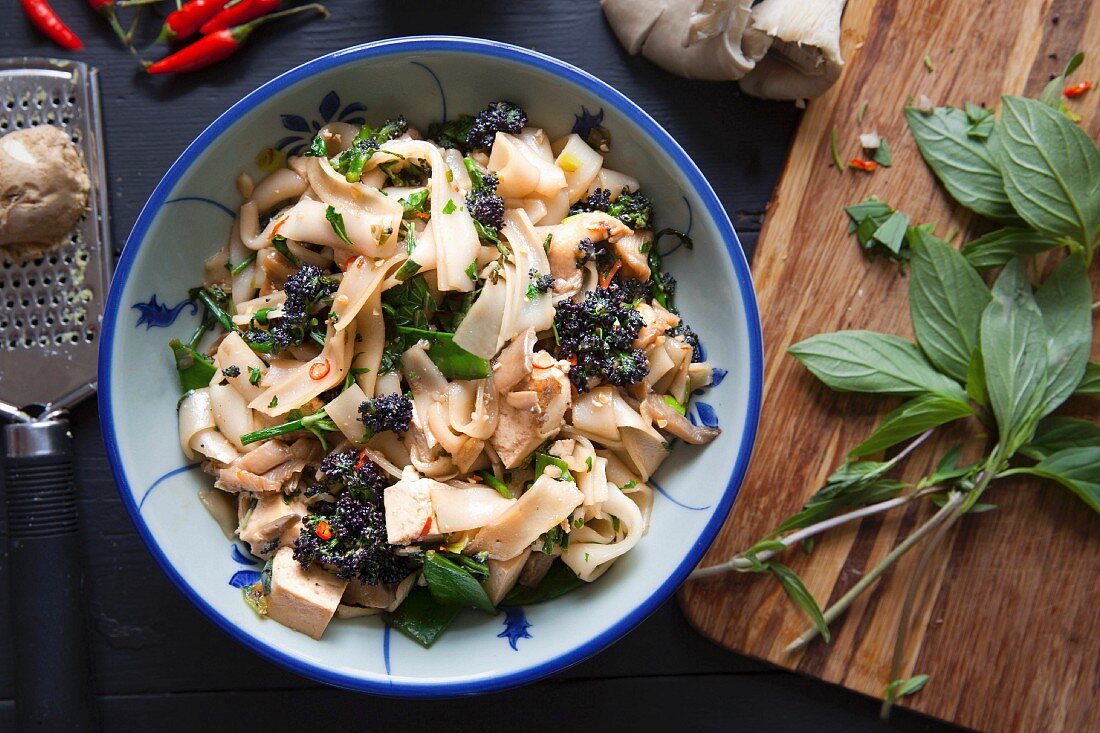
[(778, 49)]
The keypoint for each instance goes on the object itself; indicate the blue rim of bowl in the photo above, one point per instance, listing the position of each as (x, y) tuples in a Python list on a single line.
[(475, 46)]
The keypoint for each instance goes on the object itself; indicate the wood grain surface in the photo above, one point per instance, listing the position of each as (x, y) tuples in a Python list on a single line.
[(1006, 624)]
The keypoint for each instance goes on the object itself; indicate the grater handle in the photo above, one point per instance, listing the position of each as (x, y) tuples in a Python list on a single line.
[(53, 689)]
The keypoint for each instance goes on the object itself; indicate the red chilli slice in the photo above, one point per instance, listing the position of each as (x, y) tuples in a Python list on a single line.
[(1076, 90), (320, 370)]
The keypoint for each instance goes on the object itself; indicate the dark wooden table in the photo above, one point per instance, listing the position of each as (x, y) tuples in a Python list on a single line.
[(159, 665)]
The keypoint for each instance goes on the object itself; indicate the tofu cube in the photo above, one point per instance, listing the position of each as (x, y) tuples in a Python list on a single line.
[(408, 510), (303, 600)]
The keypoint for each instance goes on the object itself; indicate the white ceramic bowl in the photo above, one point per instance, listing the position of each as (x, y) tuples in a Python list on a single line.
[(187, 218)]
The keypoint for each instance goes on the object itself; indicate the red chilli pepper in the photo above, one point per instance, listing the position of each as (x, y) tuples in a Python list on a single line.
[(362, 459), (1078, 89), (609, 274), (240, 11), (323, 530), (218, 46), (43, 17), (427, 528), (186, 21), (320, 370), (864, 165)]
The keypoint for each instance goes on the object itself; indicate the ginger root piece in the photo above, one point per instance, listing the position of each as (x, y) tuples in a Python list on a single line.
[(43, 190)]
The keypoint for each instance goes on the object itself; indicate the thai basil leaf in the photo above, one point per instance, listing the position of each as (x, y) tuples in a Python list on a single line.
[(1078, 469), (558, 581), (801, 595), (882, 154), (946, 300), (981, 121), (453, 360), (863, 361), (420, 618), (901, 688), (975, 379), (1055, 434), (195, 370), (1051, 170), (834, 498), (977, 507), (1090, 383), (891, 233), (1014, 349), (1052, 92), (452, 585), (949, 470), (998, 247), (913, 418), (1065, 300), (965, 166)]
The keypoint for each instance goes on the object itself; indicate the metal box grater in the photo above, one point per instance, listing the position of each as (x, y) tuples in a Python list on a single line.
[(51, 308), (51, 311)]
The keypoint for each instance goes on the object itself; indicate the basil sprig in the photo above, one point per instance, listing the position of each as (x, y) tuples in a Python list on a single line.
[(1001, 357)]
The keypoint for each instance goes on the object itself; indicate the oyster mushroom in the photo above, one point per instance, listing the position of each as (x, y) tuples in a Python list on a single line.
[(693, 39), (779, 49), (804, 59)]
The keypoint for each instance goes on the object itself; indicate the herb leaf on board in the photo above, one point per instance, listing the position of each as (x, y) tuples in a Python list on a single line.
[(913, 418), (1014, 349), (965, 166), (902, 688), (1051, 170), (801, 595), (1059, 433), (996, 248), (1052, 92), (1078, 469), (946, 300), (864, 361), (1065, 300), (1090, 383)]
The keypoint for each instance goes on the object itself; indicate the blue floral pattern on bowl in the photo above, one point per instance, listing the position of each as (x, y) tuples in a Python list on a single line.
[(329, 110), (154, 314), (515, 626)]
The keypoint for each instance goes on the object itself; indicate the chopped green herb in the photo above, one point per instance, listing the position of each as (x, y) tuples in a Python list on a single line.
[(882, 154), (336, 221), (415, 203), (494, 482), (318, 148), (449, 207), (241, 266), (274, 403), (834, 146), (280, 245), (254, 375)]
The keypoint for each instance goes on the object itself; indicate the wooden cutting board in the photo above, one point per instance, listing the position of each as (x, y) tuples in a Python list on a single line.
[(1007, 625)]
